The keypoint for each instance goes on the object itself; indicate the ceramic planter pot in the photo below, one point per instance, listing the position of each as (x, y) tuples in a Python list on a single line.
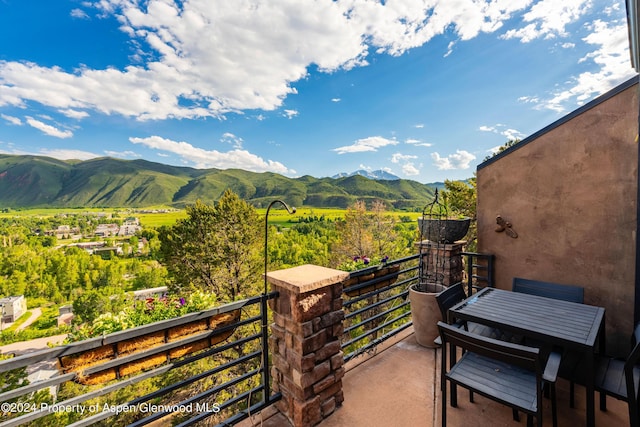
[(425, 313)]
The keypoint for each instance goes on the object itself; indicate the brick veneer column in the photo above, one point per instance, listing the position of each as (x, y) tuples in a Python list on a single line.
[(449, 256), (305, 342)]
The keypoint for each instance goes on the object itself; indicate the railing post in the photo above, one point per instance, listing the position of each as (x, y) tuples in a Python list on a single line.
[(266, 377), (305, 342)]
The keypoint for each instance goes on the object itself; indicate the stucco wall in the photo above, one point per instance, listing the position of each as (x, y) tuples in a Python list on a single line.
[(570, 193)]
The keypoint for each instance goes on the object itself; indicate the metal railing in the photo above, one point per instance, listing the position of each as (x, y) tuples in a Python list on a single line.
[(195, 368), (376, 304), (479, 271)]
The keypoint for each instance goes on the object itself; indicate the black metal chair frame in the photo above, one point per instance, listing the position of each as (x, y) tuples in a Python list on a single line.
[(618, 378), (492, 368)]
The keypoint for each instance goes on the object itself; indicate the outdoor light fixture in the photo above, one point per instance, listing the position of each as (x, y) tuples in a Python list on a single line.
[(291, 210)]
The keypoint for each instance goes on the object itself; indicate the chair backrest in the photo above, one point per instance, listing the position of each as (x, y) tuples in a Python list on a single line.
[(513, 354), (448, 298), (548, 289)]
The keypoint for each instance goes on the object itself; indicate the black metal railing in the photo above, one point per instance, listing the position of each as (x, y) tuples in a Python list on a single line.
[(479, 271), (195, 368), (376, 304)]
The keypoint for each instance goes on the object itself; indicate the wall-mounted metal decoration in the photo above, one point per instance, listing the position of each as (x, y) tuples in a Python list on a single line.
[(506, 227)]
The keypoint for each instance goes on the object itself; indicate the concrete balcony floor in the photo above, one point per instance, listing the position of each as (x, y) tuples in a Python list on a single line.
[(399, 386)]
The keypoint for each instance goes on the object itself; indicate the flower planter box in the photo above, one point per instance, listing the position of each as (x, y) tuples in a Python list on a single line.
[(93, 358), (371, 273)]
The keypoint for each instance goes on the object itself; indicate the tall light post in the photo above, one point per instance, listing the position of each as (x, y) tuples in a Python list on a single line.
[(265, 335), (291, 210)]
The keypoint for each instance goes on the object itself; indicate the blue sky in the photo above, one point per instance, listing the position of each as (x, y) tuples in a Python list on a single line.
[(423, 89)]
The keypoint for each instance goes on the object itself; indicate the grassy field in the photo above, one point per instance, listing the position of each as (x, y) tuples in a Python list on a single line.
[(163, 216)]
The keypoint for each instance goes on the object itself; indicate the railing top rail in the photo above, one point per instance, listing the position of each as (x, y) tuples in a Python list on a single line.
[(115, 337)]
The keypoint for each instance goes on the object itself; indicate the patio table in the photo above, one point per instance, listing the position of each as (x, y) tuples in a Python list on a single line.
[(574, 326)]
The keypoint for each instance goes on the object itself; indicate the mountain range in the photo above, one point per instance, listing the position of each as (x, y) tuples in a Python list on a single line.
[(37, 181), (381, 175)]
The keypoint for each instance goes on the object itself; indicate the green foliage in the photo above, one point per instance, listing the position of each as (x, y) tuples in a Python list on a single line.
[(462, 198), (367, 235), (215, 249), (142, 312), (89, 305), (510, 143)]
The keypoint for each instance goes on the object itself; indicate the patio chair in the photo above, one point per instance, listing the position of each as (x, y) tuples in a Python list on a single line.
[(556, 291), (615, 377), (548, 289), (447, 299), (511, 374)]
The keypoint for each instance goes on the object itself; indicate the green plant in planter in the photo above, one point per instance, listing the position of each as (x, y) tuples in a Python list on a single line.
[(361, 262)]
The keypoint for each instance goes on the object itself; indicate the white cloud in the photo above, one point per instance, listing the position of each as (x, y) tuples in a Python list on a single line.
[(549, 19), (13, 120), (63, 154), (48, 129), (512, 134), (336, 99), (460, 160), (204, 159), (79, 13), (122, 154), (205, 58), (500, 129), (75, 114), (398, 157), (409, 169), (419, 126), (529, 99), (417, 142), (290, 113), (496, 149), (371, 143), (611, 57), (232, 139)]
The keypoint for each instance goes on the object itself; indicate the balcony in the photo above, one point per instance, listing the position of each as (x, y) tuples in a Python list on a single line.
[(382, 376), (399, 386)]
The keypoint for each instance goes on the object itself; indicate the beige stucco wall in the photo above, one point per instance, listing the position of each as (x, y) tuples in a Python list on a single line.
[(570, 194)]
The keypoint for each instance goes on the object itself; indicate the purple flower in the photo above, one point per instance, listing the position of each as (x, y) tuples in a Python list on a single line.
[(356, 258), (366, 260), (385, 259), (182, 301)]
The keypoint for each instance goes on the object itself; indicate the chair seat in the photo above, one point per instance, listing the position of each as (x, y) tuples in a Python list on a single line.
[(498, 380), (609, 375)]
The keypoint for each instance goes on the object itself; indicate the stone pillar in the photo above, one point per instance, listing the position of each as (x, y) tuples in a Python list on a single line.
[(305, 342), (442, 258)]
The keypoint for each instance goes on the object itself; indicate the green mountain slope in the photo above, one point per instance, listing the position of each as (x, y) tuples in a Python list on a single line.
[(33, 181)]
